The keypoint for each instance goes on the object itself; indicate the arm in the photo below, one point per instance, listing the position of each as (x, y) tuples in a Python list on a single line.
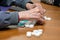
[(8, 18), (11, 18), (22, 3)]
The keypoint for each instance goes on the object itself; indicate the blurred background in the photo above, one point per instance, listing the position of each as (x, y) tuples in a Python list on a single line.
[(51, 2)]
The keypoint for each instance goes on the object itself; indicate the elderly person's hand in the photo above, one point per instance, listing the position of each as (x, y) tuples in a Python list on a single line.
[(32, 14), (31, 6)]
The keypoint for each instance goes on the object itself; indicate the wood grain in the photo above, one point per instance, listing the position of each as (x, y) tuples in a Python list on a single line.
[(51, 28)]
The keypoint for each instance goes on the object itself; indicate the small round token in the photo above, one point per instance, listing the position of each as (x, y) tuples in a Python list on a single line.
[(40, 30), (31, 26), (29, 34), (48, 18), (37, 32), (27, 25)]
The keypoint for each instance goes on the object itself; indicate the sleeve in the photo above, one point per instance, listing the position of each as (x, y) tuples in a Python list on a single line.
[(8, 18), (22, 3)]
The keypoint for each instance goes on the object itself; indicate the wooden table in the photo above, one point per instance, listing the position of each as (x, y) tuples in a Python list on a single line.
[(51, 28)]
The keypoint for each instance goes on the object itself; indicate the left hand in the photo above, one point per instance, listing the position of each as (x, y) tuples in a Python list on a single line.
[(41, 10), (31, 6)]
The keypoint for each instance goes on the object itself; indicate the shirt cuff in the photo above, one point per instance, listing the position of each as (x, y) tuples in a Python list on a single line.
[(14, 18)]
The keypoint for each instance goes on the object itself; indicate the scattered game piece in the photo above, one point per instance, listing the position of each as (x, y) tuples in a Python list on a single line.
[(27, 25), (37, 32), (29, 34), (47, 18), (30, 24), (33, 33), (40, 30)]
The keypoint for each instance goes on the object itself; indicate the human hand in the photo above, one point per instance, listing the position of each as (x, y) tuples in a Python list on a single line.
[(31, 6), (31, 14)]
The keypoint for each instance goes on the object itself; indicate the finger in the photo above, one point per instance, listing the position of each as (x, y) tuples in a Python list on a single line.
[(41, 21), (38, 5), (44, 10), (41, 10), (32, 6), (35, 10), (36, 14), (39, 15)]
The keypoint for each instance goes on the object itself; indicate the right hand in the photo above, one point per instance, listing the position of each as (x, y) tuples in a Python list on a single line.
[(31, 14)]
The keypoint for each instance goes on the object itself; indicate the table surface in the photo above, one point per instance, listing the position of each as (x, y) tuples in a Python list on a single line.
[(51, 28)]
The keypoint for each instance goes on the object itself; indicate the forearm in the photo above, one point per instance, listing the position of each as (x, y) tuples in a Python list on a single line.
[(8, 18)]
